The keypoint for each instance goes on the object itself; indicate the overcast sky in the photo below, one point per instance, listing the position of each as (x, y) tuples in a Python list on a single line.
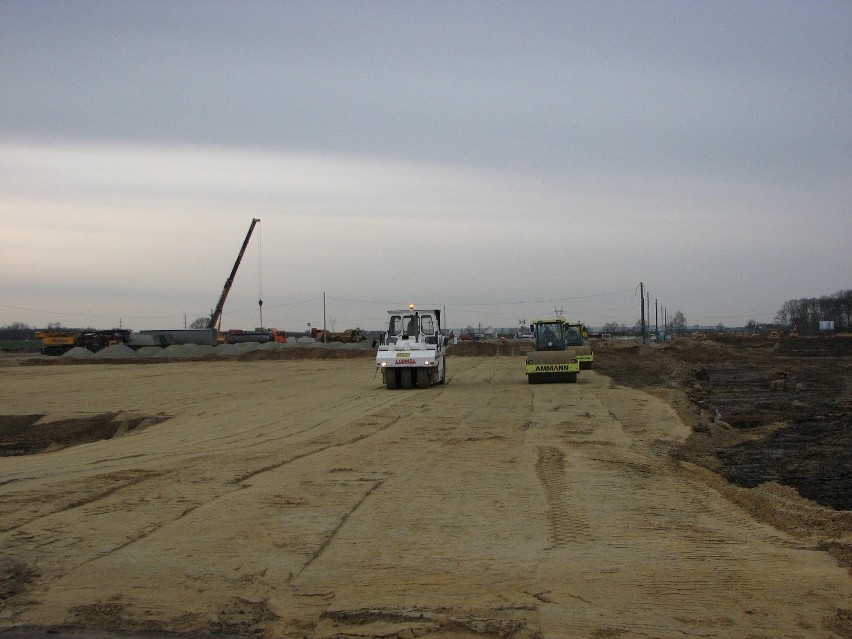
[(499, 159)]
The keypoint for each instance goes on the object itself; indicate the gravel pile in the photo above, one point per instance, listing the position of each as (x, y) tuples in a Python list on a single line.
[(366, 345), (247, 347), (197, 350), (226, 350), (175, 350), (116, 351), (149, 351), (272, 346), (78, 352)]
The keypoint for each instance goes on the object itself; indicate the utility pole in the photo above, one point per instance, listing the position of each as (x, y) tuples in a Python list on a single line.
[(656, 319), (648, 302), (642, 308), (323, 319)]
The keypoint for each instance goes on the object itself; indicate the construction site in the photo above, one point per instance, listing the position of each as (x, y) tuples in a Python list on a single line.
[(693, 488)]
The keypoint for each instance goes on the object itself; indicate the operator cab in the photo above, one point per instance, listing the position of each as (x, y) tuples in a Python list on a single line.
[(549, 336), (404, 327), (573, 337), (413, 326)]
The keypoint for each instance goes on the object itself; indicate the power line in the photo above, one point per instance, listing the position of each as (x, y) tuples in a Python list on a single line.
[(50, 312), (505, 303)]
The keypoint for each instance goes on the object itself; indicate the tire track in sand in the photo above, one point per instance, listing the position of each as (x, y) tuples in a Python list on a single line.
[(568, 522)]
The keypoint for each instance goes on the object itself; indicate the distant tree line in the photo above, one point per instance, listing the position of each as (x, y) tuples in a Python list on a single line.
[(806, 313), (18, 331)]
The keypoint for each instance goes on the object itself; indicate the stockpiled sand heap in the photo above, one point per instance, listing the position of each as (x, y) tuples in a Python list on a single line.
[(185, 351), (116, 351), (149, 351), (272, 346), (226, 350), (78, 352)]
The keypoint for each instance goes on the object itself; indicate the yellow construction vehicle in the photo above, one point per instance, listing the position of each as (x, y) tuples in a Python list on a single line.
[(551, 361), (59, 342), (578, 343)]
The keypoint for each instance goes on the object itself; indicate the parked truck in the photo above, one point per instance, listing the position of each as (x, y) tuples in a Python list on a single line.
[(260, 335), (412, 352)]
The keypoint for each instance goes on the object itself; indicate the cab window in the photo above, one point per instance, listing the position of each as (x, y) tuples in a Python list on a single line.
[(549, 336), (409, 323)]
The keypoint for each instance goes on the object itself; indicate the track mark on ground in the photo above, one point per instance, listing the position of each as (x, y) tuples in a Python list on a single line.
[(340, 525), (567, 521), (321, 444)]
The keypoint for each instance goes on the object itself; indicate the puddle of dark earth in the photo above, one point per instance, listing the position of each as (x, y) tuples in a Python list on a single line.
[(23, 435)]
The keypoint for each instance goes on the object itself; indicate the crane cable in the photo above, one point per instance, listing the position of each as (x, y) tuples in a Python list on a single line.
[(260, 271)]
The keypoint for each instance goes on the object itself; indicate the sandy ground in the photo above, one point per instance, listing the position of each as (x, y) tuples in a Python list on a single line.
[(302, 499)]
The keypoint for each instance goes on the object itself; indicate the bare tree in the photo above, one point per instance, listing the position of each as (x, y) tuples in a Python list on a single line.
[(844, 299), (200, 322), (806, 313), (614, 328), (678, 322), (17, 330), (637, 327)]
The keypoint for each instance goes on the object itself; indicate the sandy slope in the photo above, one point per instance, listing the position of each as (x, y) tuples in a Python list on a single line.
[(302, 499)]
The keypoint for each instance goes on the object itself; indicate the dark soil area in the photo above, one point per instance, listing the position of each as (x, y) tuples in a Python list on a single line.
[(761, 410), (24, 435)]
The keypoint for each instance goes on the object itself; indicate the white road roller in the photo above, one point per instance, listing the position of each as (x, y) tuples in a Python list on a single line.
[(413, 350)]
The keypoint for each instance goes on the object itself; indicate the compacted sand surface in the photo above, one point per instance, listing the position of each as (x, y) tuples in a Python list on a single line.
[(300, 498)]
